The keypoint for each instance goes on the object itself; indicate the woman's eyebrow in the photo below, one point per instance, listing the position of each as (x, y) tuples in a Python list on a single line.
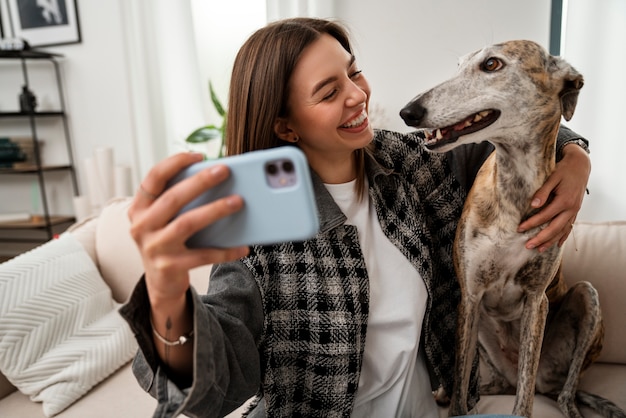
[(328, 80)]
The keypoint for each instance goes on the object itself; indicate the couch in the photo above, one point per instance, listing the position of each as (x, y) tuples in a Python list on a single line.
[(595, 253)]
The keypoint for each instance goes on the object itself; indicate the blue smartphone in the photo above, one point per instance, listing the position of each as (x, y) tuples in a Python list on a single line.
[(279, 204)]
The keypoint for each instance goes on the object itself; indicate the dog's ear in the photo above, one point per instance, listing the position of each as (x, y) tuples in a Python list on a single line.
[(572, 83)]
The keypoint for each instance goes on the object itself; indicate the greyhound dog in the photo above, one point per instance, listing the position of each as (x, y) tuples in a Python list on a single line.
[(531, 331)]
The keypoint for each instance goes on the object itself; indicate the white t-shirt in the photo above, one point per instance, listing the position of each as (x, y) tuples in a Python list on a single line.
[(394, 381)]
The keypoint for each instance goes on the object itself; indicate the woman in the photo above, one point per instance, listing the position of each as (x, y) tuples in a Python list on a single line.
[(358, 319)]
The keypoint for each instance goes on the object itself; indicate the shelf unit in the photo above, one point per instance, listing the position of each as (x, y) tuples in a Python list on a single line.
[(46, 223)]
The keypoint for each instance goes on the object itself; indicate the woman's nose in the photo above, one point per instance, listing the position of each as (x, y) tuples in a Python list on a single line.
[(356, 95)]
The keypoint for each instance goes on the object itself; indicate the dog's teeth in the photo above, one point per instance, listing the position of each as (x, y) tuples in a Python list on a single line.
[(467, 124), (484, 113), (439, 135), (477, 118)]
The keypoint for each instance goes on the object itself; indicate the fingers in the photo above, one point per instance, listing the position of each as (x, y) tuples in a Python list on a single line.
[(172, 200), (556, 232), (156, 179), (161, 239), (563, 191)]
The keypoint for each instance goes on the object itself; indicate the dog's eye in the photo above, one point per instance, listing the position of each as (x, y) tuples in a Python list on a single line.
[(492, 64)]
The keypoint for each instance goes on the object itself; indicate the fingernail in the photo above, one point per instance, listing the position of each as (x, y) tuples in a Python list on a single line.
[(535, 203), (218, 170), (530, 246), (232, 201)]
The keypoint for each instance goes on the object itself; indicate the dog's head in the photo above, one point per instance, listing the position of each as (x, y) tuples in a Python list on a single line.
[(501, 87)]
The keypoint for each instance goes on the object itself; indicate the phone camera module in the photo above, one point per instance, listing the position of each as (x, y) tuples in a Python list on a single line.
[(272, 169), (288, 167), (281, 173)]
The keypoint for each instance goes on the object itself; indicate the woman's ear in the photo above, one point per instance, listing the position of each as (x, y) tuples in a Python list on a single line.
[(283, 131)]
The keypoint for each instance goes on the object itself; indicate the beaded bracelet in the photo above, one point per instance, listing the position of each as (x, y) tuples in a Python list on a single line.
[(179, 341)]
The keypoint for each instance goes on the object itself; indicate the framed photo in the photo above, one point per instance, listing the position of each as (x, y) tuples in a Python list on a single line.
[(44, 22)]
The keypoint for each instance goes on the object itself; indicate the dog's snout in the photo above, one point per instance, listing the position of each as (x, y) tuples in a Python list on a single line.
[(413, 114)]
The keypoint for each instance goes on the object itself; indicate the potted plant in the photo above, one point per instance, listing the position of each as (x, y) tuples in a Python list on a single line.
[(211, 132)]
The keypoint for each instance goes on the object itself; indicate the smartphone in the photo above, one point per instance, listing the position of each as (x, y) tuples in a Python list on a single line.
[(279, 204)]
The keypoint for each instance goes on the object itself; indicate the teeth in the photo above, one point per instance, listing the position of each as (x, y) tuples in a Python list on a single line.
[(437, 134), (356, 122)]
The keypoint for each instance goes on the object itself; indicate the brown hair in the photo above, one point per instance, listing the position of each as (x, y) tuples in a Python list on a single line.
[(259, 85)]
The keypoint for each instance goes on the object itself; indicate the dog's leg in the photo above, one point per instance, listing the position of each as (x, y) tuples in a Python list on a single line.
[(573, 338), (492, 381), (467, 336), (531, 336)]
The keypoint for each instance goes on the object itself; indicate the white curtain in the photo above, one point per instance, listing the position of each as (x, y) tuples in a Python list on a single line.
[(280, 9), (594, 41), (165, 89)]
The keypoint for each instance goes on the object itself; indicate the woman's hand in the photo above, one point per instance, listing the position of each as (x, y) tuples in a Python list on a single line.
[(567, 186), (161, 243)]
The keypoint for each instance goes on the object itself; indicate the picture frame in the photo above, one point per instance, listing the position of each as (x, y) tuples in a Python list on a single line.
[(1, 28), (44, 22)]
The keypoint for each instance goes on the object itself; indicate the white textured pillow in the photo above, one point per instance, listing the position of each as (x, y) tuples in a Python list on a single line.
[(60, 332)]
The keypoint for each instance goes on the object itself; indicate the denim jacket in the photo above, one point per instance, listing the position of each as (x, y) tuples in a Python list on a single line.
[(288, 322)]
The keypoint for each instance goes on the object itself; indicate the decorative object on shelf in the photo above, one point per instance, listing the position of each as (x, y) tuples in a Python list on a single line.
[(105, 180), (10, 153), (13, 44), (28, 100), (44, 23), (211, 132), (27, 146)]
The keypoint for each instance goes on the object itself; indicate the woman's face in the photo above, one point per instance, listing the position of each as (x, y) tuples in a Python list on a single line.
[(327, 105)]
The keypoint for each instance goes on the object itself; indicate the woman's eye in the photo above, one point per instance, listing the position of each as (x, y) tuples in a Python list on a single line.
[(492, 64), (355, 74), (330, 95)]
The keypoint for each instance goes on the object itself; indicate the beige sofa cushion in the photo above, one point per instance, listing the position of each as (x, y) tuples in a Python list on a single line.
[(118, 256), (596, 252)]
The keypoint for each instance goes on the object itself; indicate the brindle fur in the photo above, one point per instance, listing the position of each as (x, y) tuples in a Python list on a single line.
[(533, 333)]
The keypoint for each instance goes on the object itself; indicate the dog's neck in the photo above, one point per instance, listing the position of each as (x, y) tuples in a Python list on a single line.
[(520, 170)]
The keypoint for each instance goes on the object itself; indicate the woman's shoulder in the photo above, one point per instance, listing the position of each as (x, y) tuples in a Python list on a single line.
[(400, 148), (413, 138)]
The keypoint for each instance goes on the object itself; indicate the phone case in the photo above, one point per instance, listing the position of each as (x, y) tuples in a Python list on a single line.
[(279, 204)]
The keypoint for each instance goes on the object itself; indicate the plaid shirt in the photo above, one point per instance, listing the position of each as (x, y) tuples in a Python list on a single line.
[(316, 293)]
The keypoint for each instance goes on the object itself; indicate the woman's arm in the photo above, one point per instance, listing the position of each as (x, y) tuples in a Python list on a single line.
[(165, 257)]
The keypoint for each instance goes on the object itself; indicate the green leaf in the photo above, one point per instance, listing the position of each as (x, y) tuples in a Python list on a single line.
[(204, 134), (216, 101)]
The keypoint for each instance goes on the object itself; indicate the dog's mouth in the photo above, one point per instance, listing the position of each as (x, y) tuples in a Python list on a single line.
[(439, 137)]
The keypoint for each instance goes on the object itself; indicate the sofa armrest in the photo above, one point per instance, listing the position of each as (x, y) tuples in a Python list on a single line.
[(595, 253)]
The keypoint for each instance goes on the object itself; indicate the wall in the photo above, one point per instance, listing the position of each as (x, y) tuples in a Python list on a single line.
[(594, 40)]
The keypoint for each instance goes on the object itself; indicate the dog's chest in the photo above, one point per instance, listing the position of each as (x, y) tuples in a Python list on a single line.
[(499, 265)]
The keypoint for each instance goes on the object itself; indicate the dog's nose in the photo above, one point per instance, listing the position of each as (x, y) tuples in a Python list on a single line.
[(412, 114)]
